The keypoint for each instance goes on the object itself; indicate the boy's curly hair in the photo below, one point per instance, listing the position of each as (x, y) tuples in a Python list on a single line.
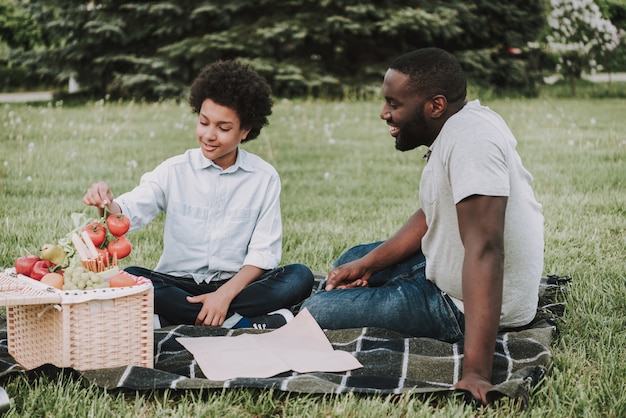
[(233, 84)]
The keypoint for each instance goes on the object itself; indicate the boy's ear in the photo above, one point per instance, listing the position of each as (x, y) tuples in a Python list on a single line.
[(437, 106)]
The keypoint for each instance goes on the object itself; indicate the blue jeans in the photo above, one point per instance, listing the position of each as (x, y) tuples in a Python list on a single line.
[(279, 288), (399, 298)]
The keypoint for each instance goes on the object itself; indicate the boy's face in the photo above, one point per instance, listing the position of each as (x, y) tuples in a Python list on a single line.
[(219, 133)]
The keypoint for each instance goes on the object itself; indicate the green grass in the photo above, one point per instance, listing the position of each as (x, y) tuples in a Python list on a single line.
[(343, 184)]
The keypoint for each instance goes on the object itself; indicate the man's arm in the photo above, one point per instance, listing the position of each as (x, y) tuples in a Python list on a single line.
[(481, 225), (405, 242)]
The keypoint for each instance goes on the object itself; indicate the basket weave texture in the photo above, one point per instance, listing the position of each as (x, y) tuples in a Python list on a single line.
[(86, 330)]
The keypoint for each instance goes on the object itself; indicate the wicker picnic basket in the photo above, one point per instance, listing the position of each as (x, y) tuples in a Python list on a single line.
[(85, 330)]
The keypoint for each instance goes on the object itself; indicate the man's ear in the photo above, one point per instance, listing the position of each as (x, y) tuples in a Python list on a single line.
[(437, 106)]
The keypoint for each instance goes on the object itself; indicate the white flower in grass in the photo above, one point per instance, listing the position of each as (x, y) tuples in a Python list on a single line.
[(570, 142), (29, 179), (31, 147), (593, 122), (331, 141), (151, 134), (6, 163), (326, 175), (131, 165)]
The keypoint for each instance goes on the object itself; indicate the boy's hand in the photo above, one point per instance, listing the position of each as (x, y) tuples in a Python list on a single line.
[(214, 309)]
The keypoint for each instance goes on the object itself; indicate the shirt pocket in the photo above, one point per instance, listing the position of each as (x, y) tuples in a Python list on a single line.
[(239, 227), (187, 224)]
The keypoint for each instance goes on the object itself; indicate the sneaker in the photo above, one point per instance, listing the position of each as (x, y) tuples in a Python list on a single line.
[(272, 320)]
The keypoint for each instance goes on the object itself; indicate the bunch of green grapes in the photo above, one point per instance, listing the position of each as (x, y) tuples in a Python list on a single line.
[(80, 278)]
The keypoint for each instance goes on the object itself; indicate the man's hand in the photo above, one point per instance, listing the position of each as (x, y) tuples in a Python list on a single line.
[(214, 308), (476, 385), (348, 275)]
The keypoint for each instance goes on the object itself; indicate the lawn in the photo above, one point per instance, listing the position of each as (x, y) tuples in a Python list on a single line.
[(343, 184)]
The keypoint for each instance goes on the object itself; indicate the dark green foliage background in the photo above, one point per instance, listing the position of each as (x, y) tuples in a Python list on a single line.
[(153, 49)]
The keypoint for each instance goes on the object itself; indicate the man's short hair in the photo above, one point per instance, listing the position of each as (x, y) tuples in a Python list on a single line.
[(433, 71)]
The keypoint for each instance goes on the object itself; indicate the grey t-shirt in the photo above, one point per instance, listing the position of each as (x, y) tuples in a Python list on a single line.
[(475, 154)]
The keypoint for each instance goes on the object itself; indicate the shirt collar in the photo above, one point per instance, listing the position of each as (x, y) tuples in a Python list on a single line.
[(243, 162)]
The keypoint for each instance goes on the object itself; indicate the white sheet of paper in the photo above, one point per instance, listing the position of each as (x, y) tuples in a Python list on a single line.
[(300, 345)]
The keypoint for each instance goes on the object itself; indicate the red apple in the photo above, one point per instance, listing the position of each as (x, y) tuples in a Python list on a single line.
[(40, 269), (24, 264)]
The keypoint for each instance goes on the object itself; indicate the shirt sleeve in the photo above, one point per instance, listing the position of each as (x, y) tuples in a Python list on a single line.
[(142, 204), (477, 164), (265, 248)]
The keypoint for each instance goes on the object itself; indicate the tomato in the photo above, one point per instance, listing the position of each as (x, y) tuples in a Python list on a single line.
[(24, 264), (97, 232), (120, 246), (40, 269), (122, 279), (118, 224)]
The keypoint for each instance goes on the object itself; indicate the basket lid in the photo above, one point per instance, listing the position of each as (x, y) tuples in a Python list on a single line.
[(21, 290), (17, 289)]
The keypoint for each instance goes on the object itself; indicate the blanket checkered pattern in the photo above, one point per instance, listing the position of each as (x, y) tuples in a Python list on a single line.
[(393, 363)]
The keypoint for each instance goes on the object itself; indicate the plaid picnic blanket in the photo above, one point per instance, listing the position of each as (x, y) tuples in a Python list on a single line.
[(393, 363)]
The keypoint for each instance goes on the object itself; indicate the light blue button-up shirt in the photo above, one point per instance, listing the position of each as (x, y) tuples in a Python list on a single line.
[(216, 220)]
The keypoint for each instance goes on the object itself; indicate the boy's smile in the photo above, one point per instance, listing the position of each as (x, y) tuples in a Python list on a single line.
[(219, 133)]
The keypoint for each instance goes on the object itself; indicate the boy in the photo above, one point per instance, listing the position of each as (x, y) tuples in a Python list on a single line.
[(223, 229)]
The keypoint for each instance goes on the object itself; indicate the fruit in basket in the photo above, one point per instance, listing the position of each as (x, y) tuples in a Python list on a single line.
[(53, 279), (53, 253), (119, 246), (40, 269), (79, 278), (24, 264), (122, 279), (97, 232), (118, 224)]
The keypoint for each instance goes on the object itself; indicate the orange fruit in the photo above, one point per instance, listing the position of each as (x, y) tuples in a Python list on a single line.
[(122, 279), (53, 279)]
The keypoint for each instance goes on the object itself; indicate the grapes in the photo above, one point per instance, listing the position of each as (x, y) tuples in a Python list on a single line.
[(79, 278)]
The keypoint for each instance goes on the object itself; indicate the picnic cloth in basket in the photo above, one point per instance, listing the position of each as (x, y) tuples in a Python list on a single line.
[(393, 363)]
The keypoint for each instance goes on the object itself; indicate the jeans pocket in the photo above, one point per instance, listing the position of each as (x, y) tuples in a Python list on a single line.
[(455, 326)]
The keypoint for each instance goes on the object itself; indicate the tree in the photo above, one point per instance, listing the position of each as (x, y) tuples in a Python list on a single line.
[(579, 36), (17, 29), (17, 32), (154, 48), (616, 11)]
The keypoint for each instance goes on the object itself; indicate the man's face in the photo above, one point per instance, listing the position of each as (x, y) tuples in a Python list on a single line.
[(404, 112)]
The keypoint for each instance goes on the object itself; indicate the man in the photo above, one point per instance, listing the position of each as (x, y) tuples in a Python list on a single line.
[(468, 262)]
